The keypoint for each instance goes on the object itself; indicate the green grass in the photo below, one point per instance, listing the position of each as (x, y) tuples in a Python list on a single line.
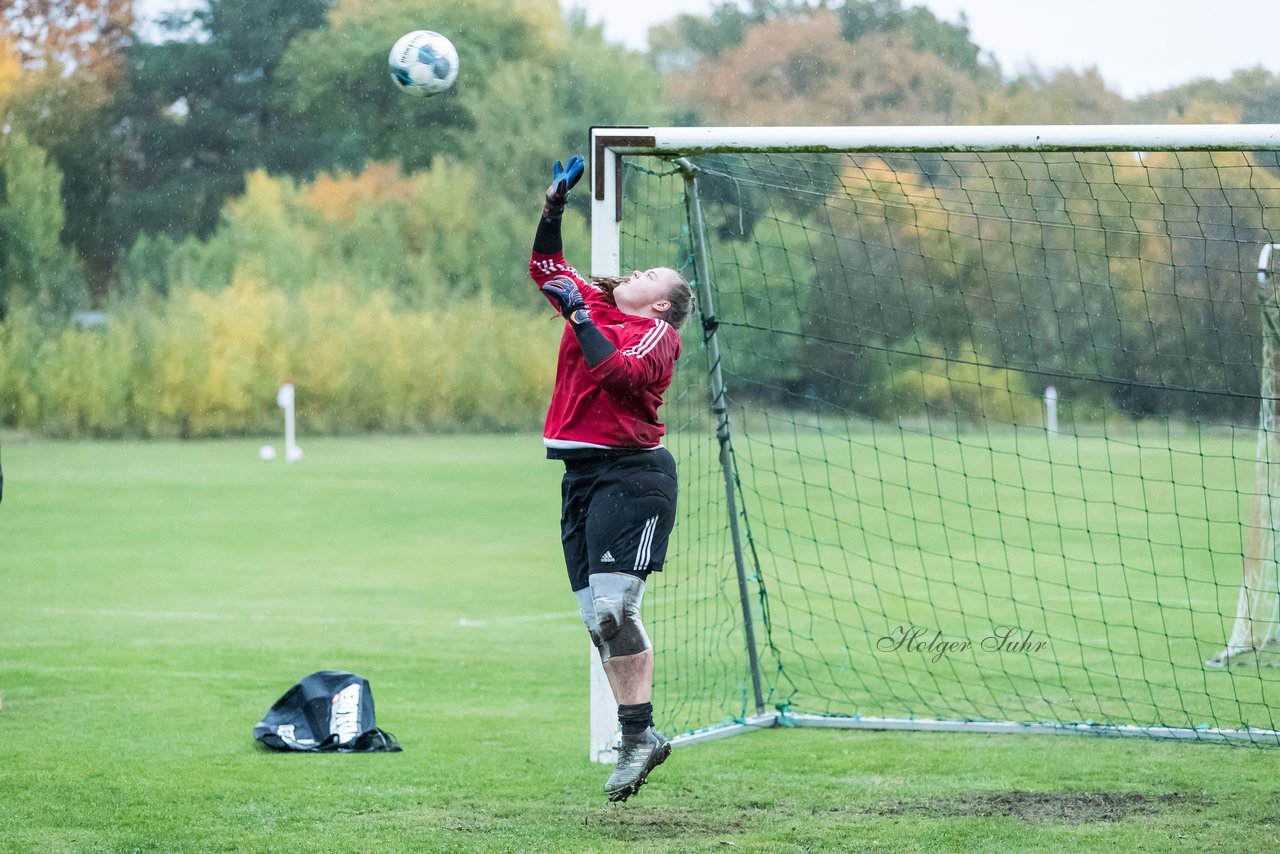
[(157, 598)]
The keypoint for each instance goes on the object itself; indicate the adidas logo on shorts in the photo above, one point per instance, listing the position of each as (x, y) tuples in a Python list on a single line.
[(607, 557)]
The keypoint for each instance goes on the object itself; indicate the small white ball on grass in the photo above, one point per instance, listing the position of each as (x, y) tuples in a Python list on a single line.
[(267, 452)]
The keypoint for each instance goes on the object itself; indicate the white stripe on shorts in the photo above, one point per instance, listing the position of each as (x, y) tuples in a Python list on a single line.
[(645, 544)]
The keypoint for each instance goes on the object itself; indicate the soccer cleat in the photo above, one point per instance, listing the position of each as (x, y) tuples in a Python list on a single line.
[(639, 755)]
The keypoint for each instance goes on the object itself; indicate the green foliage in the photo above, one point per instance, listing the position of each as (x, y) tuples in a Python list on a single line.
[(207, 364), (34, 265), (689, 38), (951, 42), (148, 266), (957, 386), (55, 116), (56, 89), (539, 109), (843, 289), (1066, 97), (1248, 95), (339, 81), (201, 109), (414, 236), (293, 93)]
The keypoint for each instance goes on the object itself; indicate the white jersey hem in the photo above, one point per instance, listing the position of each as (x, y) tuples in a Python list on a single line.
[(569, 444)]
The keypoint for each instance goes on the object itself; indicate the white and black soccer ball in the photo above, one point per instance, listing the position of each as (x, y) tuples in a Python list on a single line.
[(423, 63)]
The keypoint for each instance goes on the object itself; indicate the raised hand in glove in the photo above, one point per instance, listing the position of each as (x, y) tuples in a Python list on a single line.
[(563, 179)]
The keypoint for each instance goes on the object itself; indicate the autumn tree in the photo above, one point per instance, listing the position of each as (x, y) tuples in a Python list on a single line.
[(71, 56), (802, 72), (71, 59), (85, 37), (689, 38)]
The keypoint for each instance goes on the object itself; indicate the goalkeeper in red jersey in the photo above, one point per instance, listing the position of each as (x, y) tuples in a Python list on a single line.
[(620, 344)]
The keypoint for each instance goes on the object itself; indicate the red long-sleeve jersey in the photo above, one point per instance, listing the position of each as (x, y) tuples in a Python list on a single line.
[(615, 404)]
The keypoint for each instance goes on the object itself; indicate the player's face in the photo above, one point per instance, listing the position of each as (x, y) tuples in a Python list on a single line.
[(646, 292)]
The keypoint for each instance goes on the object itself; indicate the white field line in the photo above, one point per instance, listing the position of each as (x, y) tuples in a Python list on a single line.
[(212, 616), (146, 673)]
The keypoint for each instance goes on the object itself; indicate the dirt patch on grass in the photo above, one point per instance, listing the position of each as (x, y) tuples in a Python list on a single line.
[(630, 823), (1065, 807)]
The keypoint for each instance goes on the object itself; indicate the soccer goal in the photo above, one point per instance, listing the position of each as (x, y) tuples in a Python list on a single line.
[(969, 433)]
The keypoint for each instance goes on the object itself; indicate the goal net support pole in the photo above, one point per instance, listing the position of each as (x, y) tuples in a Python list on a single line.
[(720, 410)]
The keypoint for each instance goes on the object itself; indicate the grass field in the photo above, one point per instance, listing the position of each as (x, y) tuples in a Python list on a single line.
[(157, 598)]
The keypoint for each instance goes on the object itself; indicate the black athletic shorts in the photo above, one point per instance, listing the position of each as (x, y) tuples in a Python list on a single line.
[(617, 513)]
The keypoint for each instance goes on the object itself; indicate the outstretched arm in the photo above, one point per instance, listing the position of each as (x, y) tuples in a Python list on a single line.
[(563, 178), (563, 290), (547, 259)]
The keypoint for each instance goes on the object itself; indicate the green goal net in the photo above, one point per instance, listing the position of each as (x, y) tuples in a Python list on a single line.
[(968, 439)]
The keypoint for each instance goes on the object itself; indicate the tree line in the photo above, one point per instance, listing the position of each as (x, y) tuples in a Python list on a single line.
[(260, 141)]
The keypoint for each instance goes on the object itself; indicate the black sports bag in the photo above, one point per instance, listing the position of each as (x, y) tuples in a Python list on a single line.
[(327, 712)]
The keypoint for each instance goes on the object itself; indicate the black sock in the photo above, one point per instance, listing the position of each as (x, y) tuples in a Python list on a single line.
[(635, 719)]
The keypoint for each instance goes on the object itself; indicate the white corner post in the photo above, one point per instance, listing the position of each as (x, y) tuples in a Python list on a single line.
[(605, 177), (603, 746), (1051, 410), (285, 400)]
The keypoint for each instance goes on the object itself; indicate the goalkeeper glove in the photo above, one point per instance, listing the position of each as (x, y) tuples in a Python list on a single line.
[(564, 291), (563, 179)]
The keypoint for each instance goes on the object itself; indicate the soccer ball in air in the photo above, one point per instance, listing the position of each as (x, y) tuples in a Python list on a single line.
[(423, 63)]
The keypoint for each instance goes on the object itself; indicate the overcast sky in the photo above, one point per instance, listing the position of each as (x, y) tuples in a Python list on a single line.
[(1138, 46)]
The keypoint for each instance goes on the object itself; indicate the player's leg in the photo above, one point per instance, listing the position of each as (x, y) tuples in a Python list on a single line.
[(628, 659), (625, 648), (628, 523), (629, 520), (631, 677), (577, 487)]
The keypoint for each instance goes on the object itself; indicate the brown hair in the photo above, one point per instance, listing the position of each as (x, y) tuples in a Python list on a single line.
[(680, 296), (606, 284)]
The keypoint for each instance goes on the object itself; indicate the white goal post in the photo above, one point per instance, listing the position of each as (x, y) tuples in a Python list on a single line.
[(609, 146)]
